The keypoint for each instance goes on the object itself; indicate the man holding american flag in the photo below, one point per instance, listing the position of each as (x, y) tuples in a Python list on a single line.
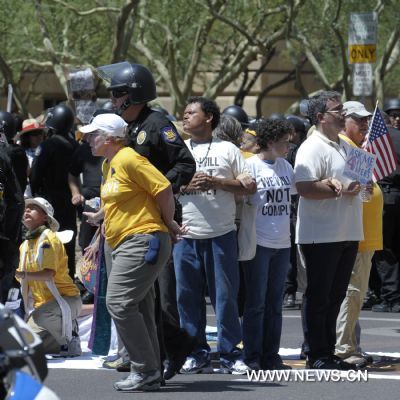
[(384, 141)]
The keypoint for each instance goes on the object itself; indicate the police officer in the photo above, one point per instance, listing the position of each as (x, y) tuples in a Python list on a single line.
[(11, 210), (49, 175), (387, 261), (16, 153), (239, 114), (153, 136)]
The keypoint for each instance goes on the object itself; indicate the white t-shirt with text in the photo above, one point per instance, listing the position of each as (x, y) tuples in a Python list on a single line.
[(212, 213), (273, 198)]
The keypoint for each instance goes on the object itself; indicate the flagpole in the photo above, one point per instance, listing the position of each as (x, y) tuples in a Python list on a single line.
[(370, 125)]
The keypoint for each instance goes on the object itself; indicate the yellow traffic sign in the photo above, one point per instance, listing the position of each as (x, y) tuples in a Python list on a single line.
[(362, 53)]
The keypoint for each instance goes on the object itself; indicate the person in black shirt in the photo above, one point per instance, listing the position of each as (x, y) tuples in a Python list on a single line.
[(49, 174)]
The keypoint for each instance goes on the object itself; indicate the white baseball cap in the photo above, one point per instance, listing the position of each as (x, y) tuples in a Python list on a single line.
[(355, 108), (47, 208), (107, 124)]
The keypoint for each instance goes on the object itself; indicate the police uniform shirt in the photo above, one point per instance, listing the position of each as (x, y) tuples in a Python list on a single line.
[(153, 136)]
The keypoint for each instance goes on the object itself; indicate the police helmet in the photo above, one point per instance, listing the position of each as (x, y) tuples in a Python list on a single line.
[(238, 113), (297, 123), (60, 119), (133, 79), (391, 104), (7, 124), (276, 115)]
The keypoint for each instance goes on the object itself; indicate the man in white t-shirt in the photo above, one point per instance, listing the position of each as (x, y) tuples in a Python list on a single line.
[(207, 255), (329, 227)]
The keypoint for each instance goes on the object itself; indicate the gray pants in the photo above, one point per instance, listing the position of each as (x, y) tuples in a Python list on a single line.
[(46, 321), (130, 298)]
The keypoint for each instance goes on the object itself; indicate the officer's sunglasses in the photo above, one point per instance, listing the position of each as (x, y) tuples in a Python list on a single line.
[(118, 93)]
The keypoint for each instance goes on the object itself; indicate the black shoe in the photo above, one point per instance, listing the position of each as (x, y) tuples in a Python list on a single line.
[(290, 301), (370, 300), (382, 307), (368, 357), (395, 307), (174, 364), (87, 298), (329, 362)]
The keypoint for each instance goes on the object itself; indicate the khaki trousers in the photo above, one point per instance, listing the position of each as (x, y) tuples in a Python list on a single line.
[(347, 343), (46, 321)]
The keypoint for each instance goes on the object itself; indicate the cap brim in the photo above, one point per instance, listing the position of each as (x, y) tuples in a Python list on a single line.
[(88, 128), (360, 114)]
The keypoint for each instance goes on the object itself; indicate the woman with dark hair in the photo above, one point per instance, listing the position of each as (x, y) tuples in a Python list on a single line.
[(265, 274)]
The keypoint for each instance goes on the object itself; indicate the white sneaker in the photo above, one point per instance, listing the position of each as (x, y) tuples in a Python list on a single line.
[(237, 367), (145, 381), (193, 366)]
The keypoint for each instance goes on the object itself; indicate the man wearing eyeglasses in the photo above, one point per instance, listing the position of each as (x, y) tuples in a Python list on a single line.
[(329, 227)]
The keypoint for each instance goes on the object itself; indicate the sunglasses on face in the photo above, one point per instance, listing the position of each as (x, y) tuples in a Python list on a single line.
[(118, 93)]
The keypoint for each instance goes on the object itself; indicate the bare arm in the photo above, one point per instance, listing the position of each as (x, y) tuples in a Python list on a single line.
[(329, 188), (75, 187), (166, 203), (204, 182)]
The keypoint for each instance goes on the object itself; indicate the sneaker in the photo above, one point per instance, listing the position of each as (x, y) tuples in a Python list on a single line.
[(329, 362), (290, 301), (192, 366), (145, 381), (357, 361), (72, 348), (237, 367), (382, 307), (113, 364)]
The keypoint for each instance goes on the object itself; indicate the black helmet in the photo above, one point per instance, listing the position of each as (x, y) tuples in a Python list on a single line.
[(134, 79), (238, 113), (7, 125), (391, 104), (60, 119), (276, 115), (297, 123)]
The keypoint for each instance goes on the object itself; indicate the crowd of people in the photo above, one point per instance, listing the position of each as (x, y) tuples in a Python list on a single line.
[(247, 212)]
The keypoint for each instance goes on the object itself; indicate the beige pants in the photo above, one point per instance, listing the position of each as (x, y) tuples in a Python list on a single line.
[(46, 321), (346, 338)]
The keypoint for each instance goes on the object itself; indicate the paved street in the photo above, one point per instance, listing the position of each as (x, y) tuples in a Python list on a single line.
[(380, 333)]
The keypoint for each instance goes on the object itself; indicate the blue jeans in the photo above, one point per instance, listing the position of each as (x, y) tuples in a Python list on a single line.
[(212, 263), (262, 318)]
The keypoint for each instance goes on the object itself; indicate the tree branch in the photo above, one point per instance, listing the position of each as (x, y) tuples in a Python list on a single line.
[(85, 13)]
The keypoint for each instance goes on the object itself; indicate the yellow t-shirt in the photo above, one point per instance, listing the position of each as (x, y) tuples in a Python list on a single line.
[(246, 154), (372, 216), (129, 185), (54, 258)]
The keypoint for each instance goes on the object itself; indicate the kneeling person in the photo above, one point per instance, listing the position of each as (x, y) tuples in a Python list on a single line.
[(43, 273)]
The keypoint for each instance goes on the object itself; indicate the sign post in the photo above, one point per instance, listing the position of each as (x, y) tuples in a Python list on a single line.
[(362, 50)]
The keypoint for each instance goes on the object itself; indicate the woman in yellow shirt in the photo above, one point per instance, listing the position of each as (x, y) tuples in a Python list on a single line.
[(138, 207)]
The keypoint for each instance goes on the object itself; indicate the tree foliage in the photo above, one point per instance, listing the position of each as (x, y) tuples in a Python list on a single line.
[(202, 46)]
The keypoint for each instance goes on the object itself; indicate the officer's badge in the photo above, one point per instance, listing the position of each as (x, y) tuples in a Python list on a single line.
[(169, 134), (141, 137)]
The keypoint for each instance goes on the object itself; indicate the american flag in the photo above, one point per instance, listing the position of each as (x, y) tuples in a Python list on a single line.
[(380, 143)]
